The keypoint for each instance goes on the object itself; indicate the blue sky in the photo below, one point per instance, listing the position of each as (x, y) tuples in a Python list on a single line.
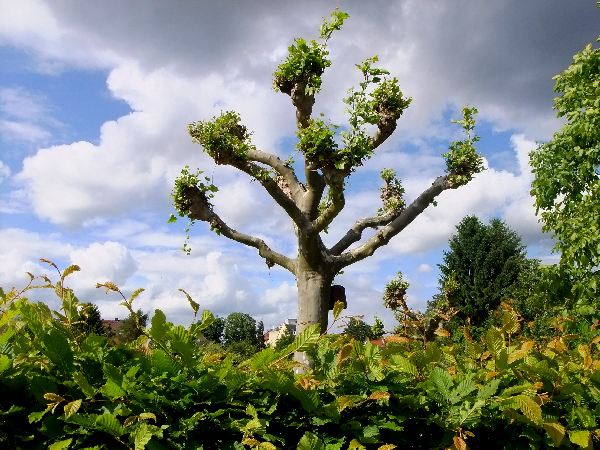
[(94, 103)]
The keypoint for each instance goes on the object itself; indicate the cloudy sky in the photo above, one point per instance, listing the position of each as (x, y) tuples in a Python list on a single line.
[(95, 98)]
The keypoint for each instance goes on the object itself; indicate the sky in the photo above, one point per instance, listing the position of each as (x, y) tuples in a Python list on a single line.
[(95, 98)]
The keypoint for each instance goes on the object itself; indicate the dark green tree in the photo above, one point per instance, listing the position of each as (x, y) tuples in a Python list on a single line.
[(241, 328), (214, 332), (91, 320), (130, 327), (566, 184), (483, 263), (358, 329)]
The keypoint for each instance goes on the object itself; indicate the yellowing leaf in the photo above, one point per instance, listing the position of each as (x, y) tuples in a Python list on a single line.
[(338, 307), (69, 270), (459, 443), (442, 332), (147, 416), (355, 445), (71, 408), (61, 445), (379, 395), (397, 339), (529, 408), (53, 397), (556, 432), (583, 438), (344, 353), (387, 447)]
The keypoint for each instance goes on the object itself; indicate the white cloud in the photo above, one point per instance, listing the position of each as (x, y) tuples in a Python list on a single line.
[(424, 268), (99, 262), (23, 131), (4, 171)]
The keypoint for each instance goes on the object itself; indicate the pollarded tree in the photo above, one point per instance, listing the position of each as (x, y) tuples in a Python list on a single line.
[(329, 158)]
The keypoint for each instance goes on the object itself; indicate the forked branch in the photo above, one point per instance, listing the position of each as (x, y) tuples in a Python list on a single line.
[(401, 221)]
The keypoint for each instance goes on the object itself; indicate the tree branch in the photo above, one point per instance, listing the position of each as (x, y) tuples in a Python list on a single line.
[(337, 204), (270, 185), (354, 234), (280, 167), (404, 218), (200, 209), (303, 103), (385, 128)]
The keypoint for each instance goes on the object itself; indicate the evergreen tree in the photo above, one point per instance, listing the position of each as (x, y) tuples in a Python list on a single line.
[(91, 320), (483, 263)]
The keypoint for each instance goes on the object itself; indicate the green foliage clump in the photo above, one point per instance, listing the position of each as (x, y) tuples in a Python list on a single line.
[(462, 159), (316, 142), (394, 295), (306, 61), (224, 138), (59, 390), (188, 180), (566, 184), (392, 194), (184, 183), (378, 101)]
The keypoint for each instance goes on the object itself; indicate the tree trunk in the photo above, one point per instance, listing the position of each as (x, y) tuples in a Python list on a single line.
[(313, 304)]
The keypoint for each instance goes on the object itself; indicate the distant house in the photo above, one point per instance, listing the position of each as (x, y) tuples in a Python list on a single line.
[(272, 336), (112, 325)]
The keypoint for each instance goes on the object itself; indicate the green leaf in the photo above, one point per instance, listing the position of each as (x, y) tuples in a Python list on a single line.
[(488, 390), (83, 384), (61, 445), (159, 326), (71, 408), (58, 349), (304, 340), (141, 436), (172, 218), (310, 441), (404, 365), (583, 438), (109, 423), (38, 415), (5, 363), (529, 408), (195, 306)]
